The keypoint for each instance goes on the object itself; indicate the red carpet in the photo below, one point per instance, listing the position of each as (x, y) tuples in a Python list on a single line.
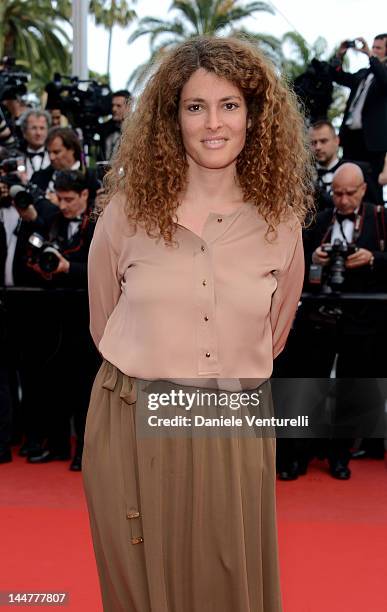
[(333, 538)]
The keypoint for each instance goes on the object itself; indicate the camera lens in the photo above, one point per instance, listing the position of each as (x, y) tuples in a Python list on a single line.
[(49, 260)]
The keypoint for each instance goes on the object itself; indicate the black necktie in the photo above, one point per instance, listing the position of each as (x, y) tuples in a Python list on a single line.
[(340, 217), (72, 220), (322, 172), (31, 154)]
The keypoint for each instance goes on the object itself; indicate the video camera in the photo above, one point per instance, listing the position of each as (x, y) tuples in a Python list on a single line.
[(332, 276), (44, 253), (84, 102), (12, 81)]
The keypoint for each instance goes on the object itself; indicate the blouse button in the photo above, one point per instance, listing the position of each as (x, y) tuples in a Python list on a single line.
[(206, 318), (133, 514), (202, 249), (204, 283), (208, 354), (220, 220)]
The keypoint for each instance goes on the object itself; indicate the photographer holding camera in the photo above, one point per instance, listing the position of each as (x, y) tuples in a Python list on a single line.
[(23, 210), (363, 133), (59, 258), (68, 236), (353, 229), (339, 328)]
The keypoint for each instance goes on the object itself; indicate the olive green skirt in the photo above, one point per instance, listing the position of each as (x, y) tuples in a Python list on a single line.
[(179, 524)]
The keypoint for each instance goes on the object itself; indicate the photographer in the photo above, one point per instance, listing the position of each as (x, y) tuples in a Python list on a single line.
[(60, 260), (65, 152), (21, 214), (356, 225), (345, 253), (111, 130), (363, 133), (71, 230)]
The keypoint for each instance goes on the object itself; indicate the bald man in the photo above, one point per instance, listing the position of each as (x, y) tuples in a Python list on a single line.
[(352, 334), (353, 222)]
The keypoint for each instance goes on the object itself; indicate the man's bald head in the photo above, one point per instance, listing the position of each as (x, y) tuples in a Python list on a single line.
[(348, 172), (348, 187)]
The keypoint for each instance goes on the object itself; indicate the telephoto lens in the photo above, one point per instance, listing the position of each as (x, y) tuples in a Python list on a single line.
[(49, 257)]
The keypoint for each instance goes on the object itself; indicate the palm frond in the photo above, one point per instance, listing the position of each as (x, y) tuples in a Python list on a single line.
[(187, 9)]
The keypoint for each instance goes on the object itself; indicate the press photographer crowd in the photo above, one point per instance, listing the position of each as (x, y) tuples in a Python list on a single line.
[(52, 162)]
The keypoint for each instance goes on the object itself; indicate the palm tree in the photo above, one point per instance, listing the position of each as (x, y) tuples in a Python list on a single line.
[(199, 17), (31, 32), (109, 13)]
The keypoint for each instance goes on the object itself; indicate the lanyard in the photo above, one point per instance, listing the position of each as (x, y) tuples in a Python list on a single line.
[(359, 220)]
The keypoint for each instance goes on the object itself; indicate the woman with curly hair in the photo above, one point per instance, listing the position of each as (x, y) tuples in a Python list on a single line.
[(195, 272)]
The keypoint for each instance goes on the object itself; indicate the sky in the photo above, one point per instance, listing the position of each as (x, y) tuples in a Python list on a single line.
[(335, 20)]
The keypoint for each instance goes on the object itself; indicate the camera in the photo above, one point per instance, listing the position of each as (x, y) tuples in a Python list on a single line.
[(9, 169), (12, 164), (23, 196), (44, 253), (353, 44), (12, 81), (84, 102), (332, 276)]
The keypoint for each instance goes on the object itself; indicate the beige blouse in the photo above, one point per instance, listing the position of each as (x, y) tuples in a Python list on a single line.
[(216, 306)]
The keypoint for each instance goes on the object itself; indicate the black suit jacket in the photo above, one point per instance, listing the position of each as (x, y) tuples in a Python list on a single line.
[(41, 178), (364, 279), (75, 250), (374, 115), (22, 274)]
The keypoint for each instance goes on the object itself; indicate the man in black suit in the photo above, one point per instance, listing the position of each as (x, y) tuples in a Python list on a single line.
[(363, 133), (65, 152), (16, 226), (349, 336), (70, 364), (111, 130), (34, 126)]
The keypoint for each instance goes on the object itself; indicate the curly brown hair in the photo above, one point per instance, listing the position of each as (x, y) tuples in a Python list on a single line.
[(274, 167)]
